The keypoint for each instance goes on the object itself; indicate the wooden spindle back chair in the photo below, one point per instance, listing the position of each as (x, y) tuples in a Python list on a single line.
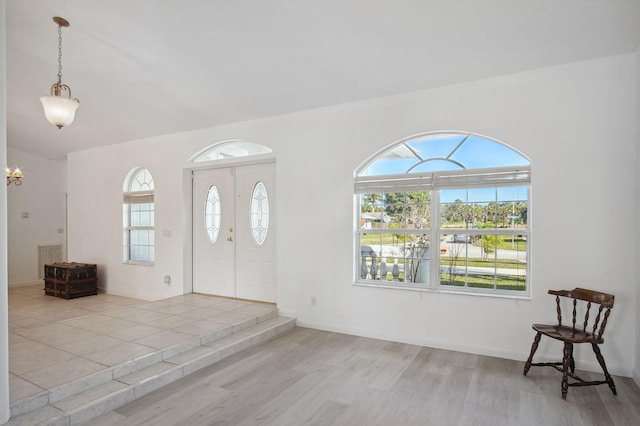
[(579, 331)]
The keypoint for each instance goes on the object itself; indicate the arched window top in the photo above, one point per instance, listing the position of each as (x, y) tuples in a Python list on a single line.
[(230, 149), (139, 180), (441, 152)]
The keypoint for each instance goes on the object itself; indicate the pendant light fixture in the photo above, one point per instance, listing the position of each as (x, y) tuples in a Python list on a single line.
[(59, 108)]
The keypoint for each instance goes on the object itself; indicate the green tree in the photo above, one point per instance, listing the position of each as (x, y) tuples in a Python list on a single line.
[(411, 209), (456, 212), (488, 243), (371, 202)]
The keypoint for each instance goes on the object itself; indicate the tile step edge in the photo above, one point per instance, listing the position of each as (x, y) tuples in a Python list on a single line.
[(239, 340)]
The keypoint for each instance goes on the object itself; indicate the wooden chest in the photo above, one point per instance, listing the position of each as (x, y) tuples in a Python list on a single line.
[(70, 280)]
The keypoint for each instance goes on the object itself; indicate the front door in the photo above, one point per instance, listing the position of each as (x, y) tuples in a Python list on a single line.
[(234, 232)]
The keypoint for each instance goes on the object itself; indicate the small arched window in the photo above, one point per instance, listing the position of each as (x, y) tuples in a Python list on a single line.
[(139, 217), (444, 211)]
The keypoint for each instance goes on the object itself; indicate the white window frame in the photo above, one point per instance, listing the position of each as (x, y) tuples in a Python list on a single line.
[(496, 177), (138, 191)]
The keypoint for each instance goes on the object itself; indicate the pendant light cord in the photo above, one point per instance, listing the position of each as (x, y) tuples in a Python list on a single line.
[(59, 54)]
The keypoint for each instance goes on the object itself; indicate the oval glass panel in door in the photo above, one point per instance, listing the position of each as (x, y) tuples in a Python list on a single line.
[(212, 214), (259, 213)]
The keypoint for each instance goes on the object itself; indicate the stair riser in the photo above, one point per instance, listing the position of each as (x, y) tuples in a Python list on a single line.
[(99, 406)]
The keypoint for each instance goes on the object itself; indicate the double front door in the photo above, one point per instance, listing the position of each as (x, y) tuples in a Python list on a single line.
[(234, 250)]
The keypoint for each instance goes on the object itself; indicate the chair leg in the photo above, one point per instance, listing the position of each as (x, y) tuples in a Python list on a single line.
[(534, 348), (607, 376), (572, 362), (566, 362)]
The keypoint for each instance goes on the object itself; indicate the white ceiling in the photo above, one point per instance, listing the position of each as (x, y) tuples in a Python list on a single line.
[(149, 67)]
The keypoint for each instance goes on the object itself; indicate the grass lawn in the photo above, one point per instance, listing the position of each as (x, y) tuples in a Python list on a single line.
[(484, 281), (477, 262), (519, 244)]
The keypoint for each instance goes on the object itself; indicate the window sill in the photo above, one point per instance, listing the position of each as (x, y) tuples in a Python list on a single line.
[(137, 263), (428, 289)]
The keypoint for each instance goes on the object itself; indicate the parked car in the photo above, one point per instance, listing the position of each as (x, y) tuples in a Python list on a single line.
[(465, 238), (461, 238)]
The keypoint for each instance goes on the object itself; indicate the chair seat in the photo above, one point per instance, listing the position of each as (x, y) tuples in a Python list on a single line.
[(566, 334)]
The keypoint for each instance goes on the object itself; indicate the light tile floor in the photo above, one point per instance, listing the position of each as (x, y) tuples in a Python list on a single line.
[(53, 341)]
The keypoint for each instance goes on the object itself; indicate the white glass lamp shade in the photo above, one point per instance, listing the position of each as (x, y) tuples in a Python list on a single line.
[(59, 111)]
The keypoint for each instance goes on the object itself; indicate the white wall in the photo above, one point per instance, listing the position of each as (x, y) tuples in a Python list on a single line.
[(575, 122), (4, 319), (42, 197), (636, 375), (95, 186)]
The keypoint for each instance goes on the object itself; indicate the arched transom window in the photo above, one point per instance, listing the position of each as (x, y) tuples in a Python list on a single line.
[(230, 149), (445, 211)]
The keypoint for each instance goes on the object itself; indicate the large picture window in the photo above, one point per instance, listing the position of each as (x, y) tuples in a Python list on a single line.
[(139, 217), (445, 212)]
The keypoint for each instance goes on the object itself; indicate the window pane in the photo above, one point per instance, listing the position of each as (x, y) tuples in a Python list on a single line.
[(417, 257), (145, 220), (144, 237), (478, 152), (437, 146), (514, 202), (399, 257), (141, 181), (372, 211), (487, 261), (231, 150), (259, 213), (390, 166), (212, 214), (484, 208), (435, 165), (453, 261), (143, 253), (456, 214), (378, 255), (389, 246), (408, 210), (141, 245)]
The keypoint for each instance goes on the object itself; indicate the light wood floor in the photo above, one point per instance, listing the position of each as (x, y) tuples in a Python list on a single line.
[(322, 378)]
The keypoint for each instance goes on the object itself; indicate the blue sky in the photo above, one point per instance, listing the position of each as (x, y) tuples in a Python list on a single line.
[(442, 152)]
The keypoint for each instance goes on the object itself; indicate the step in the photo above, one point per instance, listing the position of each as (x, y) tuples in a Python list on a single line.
[(82, 400)]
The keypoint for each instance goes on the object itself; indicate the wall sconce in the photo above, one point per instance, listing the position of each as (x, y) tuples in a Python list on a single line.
[(13, 176), (60, 110)]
